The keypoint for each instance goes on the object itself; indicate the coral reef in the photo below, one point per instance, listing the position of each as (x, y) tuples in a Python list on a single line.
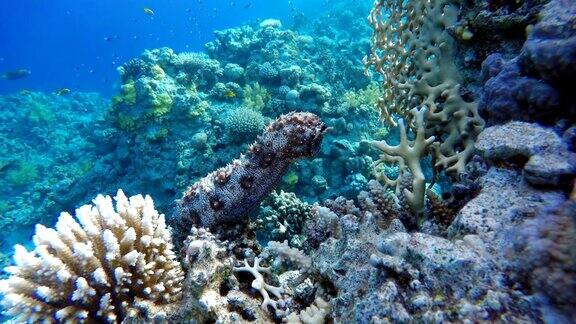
[(432, 217), (102, 266), (282, 217), (166, 98), (47, 150)]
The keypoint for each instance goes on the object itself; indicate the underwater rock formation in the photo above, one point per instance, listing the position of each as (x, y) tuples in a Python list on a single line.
[(509, 94), (544, 156), (106, 265), (232, 191), (534, 86), (548, 239), (379, 270), (550, 49)]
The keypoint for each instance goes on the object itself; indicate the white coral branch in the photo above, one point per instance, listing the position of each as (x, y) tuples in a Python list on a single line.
[(408, 154), (259, 284)]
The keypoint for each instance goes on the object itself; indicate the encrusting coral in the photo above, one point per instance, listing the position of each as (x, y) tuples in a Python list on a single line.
[(100, 267)]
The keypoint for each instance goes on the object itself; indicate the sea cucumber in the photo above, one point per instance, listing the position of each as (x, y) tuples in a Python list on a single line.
[(230, 193)]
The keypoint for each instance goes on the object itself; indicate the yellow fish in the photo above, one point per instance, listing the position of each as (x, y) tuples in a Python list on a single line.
[(149, 11)]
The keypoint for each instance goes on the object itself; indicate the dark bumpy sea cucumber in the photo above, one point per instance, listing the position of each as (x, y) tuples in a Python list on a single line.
[(229, 193)]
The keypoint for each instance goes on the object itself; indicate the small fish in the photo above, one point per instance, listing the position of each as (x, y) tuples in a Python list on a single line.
[(16, 74), (149, 11), (62, 91), (111, 38)]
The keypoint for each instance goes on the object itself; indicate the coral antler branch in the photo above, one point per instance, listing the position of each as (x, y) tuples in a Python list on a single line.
[(408, 154)]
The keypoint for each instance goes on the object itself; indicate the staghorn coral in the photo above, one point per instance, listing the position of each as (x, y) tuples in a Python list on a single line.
[(96, 268), (407, 155), (236, 189), (265, 289)]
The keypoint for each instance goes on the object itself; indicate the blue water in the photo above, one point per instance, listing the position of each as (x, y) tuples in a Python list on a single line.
[(79, 44)]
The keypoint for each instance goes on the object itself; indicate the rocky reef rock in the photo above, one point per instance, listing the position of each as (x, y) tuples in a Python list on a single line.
[(550, 50), (540, 151), (535, 85)]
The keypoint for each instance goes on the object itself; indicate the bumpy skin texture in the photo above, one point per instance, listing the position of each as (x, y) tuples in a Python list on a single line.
[(236, 189)]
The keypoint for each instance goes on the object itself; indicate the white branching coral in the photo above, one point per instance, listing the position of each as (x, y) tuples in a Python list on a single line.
[(96, 267), (259, 284)]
